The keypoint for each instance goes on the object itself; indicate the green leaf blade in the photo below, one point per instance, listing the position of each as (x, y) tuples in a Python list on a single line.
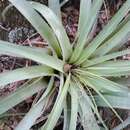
[(107, 30), (58, 107), (24, 73), (30, 118), (107, 57), (57, 27), (74, 106), (116, 101), (31, 53), (22, 93), (55, 6), (86, 27), (38, 23), (113, 41)]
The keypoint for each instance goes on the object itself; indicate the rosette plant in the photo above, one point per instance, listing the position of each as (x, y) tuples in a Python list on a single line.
[(74, 78)]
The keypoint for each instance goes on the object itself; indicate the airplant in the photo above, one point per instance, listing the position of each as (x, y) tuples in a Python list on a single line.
[(90, 72)]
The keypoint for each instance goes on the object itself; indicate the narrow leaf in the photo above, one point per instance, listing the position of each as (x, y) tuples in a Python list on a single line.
[(104, 99), (114, 63), (113, 41), (43, 58), (86, 26), (108, 57), (57, 27), (22, 93), (74, 107), (36, 110), (85, 10), (24, 73), (91, 101), (30, 118), (67, 113), (55, 6), (123, 80), (57, 108), (116, 101), (48, 90), (38, 23), (87, 117), (103, 83), (107, 30), (110, 71)]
